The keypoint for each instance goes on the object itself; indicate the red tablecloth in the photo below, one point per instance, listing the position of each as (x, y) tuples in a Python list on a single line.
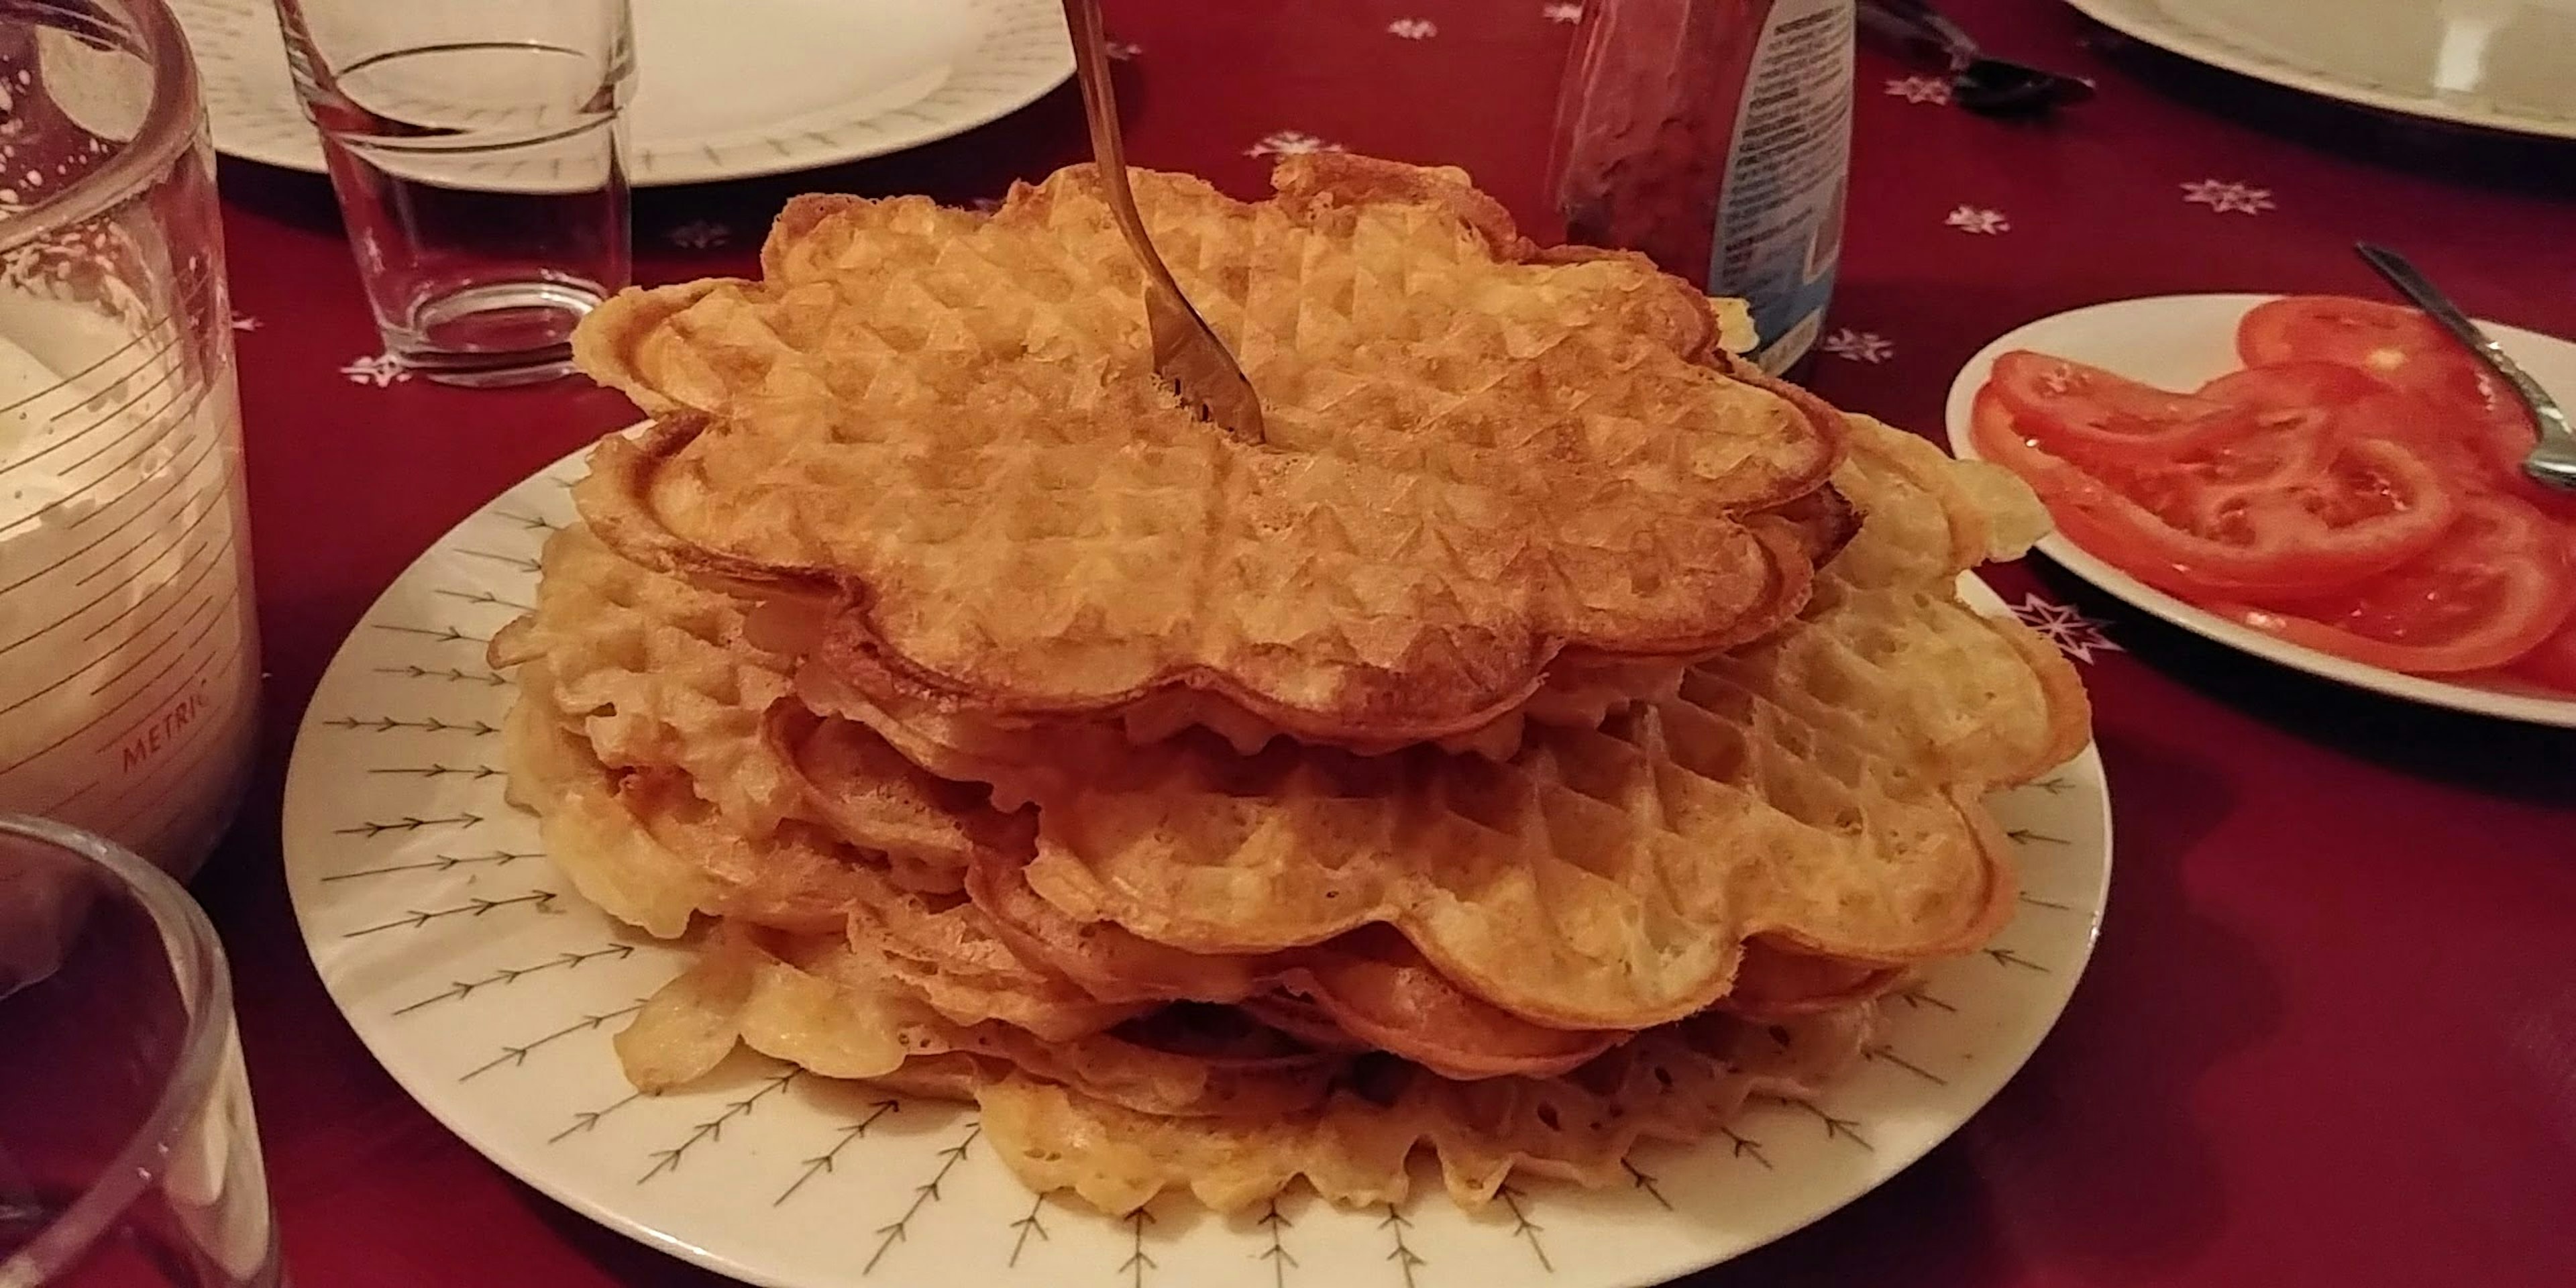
[(2330, 1035)]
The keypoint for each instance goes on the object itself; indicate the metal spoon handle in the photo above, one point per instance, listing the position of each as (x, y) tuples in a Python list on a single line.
[(2411, 283)]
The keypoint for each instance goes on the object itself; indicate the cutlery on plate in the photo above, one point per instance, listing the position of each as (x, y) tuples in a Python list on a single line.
[(1186, 352), (2553, 459), (1988, 86)]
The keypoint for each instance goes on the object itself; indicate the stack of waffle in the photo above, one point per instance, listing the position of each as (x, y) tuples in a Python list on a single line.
[(1553, 735)]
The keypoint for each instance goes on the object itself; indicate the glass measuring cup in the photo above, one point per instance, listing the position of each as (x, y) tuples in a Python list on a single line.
[(128, 654)]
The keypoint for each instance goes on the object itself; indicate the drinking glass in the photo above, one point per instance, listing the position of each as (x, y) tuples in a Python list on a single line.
[(127, 1150), (478, 149)]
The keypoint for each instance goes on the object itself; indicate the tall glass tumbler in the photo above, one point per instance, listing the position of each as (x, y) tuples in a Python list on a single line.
[(478, 149), (128, 1155)]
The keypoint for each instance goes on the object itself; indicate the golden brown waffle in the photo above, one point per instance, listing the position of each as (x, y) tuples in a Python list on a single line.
[(1370, 986), (644, 846), (933, 664), (1681, 1083), (1816, 791), (818, 1004), (589, 817), (1378, 989), (1886, 707), (1211, 1103), (1836, 767), (868, 794), (1599, 880), (1201, 1100), (1831, 656), (1929, 518), (656, 673), (1926, 517), (1894, 660), (1920, 679), (650, 673), (649, 852), (944, 952), (1483, 460)]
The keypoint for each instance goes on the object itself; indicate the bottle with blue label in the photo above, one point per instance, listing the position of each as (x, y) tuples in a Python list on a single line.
[(1715, 137)]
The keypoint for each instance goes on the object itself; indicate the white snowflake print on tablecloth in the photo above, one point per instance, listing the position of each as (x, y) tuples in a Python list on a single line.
[(2227, 198), (1413, 29), (1122, 50), (1858, 346), (1289, 143), (1920, 89), (245, 322), (1561, 12), (699, 234), (2074, 634), (381, 370), (1977, 219)]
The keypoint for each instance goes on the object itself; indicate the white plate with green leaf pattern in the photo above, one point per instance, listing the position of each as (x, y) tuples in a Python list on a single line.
[(489, 991)]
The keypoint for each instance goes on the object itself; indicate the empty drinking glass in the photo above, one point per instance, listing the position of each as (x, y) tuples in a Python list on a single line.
[(127, 1150), (478, 149)]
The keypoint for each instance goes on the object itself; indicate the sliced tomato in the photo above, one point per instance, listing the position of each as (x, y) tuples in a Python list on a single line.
[(2396, 345), (2289, 510), (2098, 418), (2445, 433), (2506, 433), (2496, 587), (2553, 662), (2477, 445), (2292, 388)]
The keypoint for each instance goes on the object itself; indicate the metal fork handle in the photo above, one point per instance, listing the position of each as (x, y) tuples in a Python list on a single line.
[(1109, 152), (2555, 431)]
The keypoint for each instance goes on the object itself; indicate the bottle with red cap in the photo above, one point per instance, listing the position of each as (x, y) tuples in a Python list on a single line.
[(1715, 137)]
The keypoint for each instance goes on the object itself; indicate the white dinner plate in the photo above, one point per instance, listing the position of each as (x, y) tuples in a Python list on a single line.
[(723, 90), (489, 990), (2499, 64), (2181, 342)]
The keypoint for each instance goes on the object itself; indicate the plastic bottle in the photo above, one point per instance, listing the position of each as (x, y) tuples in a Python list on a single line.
[(1715, 137)]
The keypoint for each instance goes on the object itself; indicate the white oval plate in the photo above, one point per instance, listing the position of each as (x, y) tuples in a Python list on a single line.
[(723, 91), (489, 991), (2180, 342), (2500, 66)]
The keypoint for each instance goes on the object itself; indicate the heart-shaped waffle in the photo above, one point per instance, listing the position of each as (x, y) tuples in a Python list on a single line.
[(1485, 461)]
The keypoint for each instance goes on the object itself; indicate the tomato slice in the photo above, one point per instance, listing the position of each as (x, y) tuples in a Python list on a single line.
[(2506, 433), (2099, 418), (2553, 662), (2496, 587), (2447, 434), (2289, 510), (2432, 393), (2396, 345), (2293, 388), (2476, 445)]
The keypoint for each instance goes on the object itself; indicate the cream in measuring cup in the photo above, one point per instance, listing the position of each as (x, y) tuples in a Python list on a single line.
[(127, 677)]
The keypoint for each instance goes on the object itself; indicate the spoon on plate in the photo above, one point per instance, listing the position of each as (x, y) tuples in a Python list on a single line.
[(2553, 459), (1987, 86)]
